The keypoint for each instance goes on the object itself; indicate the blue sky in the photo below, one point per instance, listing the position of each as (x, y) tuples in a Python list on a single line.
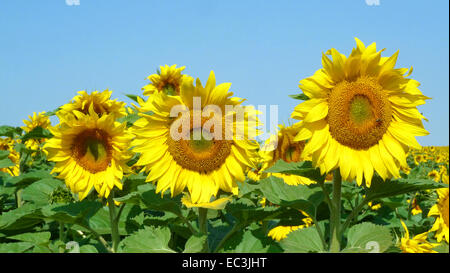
[(50, 50)]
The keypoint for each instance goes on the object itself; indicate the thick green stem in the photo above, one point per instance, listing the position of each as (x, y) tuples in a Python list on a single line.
[(19, 198), (203, 225), (114, 221), (22, 166), (335, 217)]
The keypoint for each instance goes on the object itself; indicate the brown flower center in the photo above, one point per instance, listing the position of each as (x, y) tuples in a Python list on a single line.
[(202, 155), (359, 113), (92, 150)]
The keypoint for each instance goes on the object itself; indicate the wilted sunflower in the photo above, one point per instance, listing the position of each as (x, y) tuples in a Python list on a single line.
[(281, 146), (441, 211), (201, 160), (90, 151), (37, 120), (7, 144), (361, 114), (418, 244), (167, 80), (281, 232), (100, 101)]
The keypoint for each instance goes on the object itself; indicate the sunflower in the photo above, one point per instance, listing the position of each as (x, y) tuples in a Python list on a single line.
[(203, 161), (281, 232), (441, 211), (418, 244), (281, 146), (37, 120), (90, 152), (415, 208), (100, 101), (7, 144), (168, 80), (434, 175), (361, 114)]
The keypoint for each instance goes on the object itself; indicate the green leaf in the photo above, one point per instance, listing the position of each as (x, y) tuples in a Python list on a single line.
[(302, 241), (130, 119), (147, 240), (39, 192), (88, 249), (23, 217), (9, 131), (245, 213), (381, 189), (368, 237), (19, 247), (5, 162), (303, 168), (73, 213), (195, 244), (36, 133), (4, 154), (133, 97), (442, 248), (36, 238), (24, 180), (51, 113), (249, 244), (100, 221), (306, 198), (300, 96), (147, 197)]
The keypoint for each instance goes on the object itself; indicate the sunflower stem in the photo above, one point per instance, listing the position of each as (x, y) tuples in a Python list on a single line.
[(335, 217), (203, 225), (114, 222)]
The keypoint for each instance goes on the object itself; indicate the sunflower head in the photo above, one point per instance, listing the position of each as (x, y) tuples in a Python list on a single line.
[(37, 120), (167, 80), (441, 212), (283, 147), (195, 147), (7, 144), (100, 102), (90, 152), (361, 114)]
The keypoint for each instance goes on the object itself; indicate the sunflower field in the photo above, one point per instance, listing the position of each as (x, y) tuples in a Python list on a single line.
[(347, 175)]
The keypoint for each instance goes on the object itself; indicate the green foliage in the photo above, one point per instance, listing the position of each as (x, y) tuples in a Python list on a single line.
[(368, 237), (51, 219), (303, 241), (9, 131), (147, 240)]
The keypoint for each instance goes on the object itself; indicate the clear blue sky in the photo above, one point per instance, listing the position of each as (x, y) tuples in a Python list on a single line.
[(50, 50)]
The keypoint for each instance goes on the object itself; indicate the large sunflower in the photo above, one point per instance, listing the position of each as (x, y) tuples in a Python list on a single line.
[(441, 212), (281, 146), (100, 101), (37, 120), (202, 165), (90, 151), (361, 114), (168, 80)]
